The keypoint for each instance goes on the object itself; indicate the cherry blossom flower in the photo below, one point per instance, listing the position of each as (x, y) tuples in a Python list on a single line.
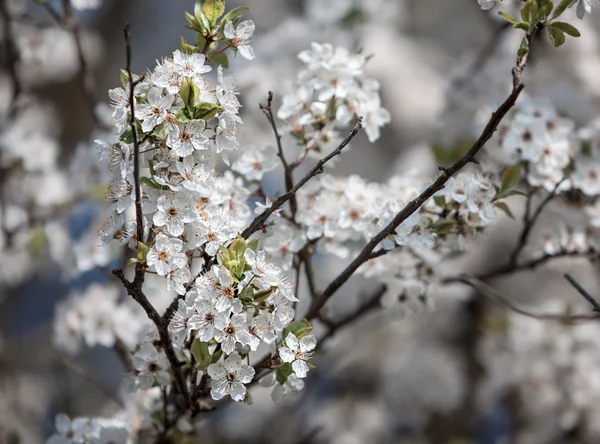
[(229, 377), (298, 352), (240, 36)]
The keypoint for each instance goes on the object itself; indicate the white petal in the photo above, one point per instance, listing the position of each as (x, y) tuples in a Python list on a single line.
[(308, 343), (292, 341), (246, 51), (245, 29), (286, 354), (300, 368)]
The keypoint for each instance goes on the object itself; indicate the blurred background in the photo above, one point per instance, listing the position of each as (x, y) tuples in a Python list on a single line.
[(465, 372)]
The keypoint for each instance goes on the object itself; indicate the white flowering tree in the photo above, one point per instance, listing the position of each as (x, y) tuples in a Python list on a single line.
[(204, 301)]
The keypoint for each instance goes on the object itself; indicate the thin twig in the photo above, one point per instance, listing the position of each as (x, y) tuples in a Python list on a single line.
[(288, 174), (415, 204), (495, 296), (139, 218), (259, 221), (529, 221), (529, 265), (583, 292), (134, 288), (85, 372)]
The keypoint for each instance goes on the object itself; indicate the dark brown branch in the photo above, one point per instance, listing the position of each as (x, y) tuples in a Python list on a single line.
[(260, 220), (495, 296), (288, 174), (415, 204), (134, 288), (583, 292), (139, 218)]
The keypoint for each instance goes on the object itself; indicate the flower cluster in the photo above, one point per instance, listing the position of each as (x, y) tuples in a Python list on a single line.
[(95, 317), (331, 91), (88, 430)]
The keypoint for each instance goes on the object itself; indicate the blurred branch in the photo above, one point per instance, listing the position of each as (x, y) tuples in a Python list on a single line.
[(529, 265), (68, 22), (86, 373), (10, 55), (494, 295), (482, 57), (415, 204), (583, 292), (529, 221)]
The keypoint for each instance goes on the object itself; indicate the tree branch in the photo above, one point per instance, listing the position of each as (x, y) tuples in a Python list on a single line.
[(288, 174), (415, 204), (529, 221), (583, 292), (495, 296), (259, 221)]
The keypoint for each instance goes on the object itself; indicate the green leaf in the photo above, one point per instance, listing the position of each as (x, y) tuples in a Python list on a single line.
[(213, 9), (124, 77), (146, 181), (200, 41), (299, 328), (509, 18), (142, 252), (253, 245), (442, 226), (37, 240), (186, 48), (564, 4), (504, 207), (440, 201), (529, 11), (200, 17), (524, 26), (234, 13), (510, 178), (201, 354), (523, 48), (556, 36), (206, 111), (512, 193), (566, 28), (127, 136), (183, 115), (189, 92), (262, 295), (220, 59), (283, 372), (216, 356)]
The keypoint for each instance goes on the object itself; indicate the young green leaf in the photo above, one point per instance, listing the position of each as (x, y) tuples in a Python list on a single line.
[(564, 4), (221, 59), (557, 37), (566, 28), (213, 9), (201, 354), (234, 13), (504, 207), (509, 18), (510, 178)]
